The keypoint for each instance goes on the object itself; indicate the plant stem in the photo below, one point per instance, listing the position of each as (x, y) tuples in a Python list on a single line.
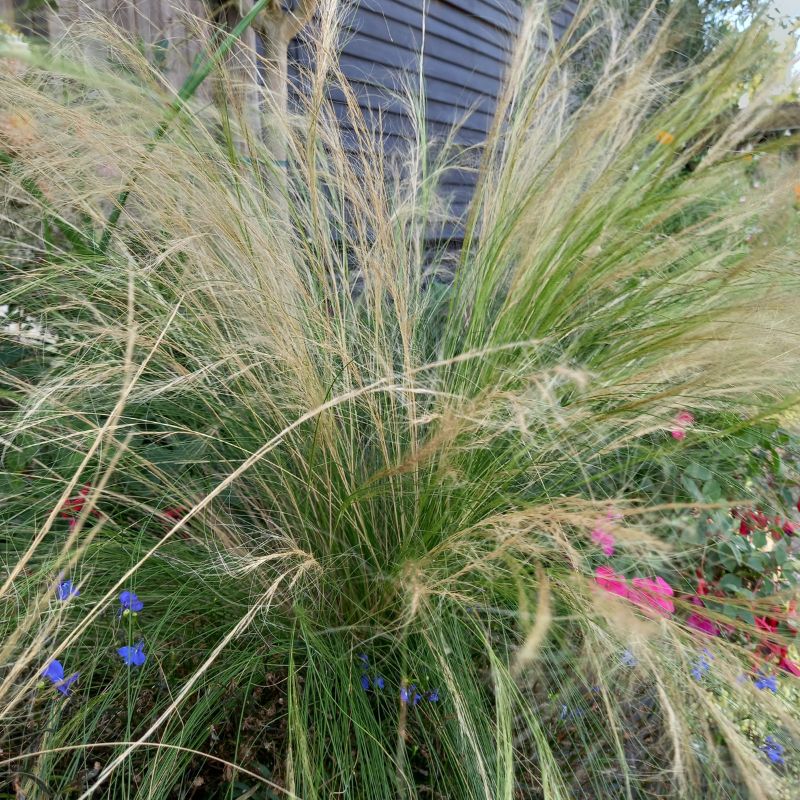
[(200, 71)]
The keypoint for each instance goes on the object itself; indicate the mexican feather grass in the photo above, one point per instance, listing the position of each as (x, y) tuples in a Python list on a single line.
[(323, 450)]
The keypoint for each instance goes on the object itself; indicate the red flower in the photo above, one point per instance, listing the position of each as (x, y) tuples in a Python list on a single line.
[(789, 666), (744, 528), (773, 649), (74, 505), (760, 518), (767, 624), (174, 514), (788, 528)]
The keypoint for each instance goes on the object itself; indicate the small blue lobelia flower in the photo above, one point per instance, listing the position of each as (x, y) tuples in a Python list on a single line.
[(702, 665), (379, 682), (773, 749), (433, 696), (767, 682), (133, 656), (365, 683), (362, 657), (54, 672), (129, 603), (65, 590), (628, 659), (405, 694)]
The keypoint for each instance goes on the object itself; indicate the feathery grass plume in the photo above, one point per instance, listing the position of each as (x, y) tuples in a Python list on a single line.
[(300, 447)]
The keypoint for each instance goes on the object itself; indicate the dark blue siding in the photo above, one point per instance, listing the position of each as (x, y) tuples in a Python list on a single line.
[(467, 48)]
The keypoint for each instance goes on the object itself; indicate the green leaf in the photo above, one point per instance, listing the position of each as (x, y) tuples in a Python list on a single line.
[(692, 489), (755, 561), (747, 616), (712, 490), (731, 612), (698, 471), (733, 583)]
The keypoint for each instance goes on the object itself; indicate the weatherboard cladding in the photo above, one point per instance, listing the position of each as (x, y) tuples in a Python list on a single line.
[(467, 48)]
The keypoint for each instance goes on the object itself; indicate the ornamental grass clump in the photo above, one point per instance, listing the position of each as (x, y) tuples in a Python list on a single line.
[(388, 511)]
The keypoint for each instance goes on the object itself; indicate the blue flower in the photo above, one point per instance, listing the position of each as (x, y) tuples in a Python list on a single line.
[(133, 656), (379, 682), (365, 683), (54, 672), (66, 590), (701, 666), (129, 603), (417, 697), (433, 696), (773, 750), (628, 659), (405, 694), (364, 659), (767, 682)]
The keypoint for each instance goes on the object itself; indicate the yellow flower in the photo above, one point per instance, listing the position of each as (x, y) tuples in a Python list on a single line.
[(665, 138)]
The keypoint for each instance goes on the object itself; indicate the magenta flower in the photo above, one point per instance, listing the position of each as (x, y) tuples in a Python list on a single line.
[(654, 593), (607, 579), (604, 540), (702, 624)]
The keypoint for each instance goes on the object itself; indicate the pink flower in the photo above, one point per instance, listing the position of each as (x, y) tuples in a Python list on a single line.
[(607, 579), (653, 592), (702, 624), (682, 421), (604, 540), (647, 592)]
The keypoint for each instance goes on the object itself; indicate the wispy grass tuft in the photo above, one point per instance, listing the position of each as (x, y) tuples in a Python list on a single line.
[(306, 438)]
